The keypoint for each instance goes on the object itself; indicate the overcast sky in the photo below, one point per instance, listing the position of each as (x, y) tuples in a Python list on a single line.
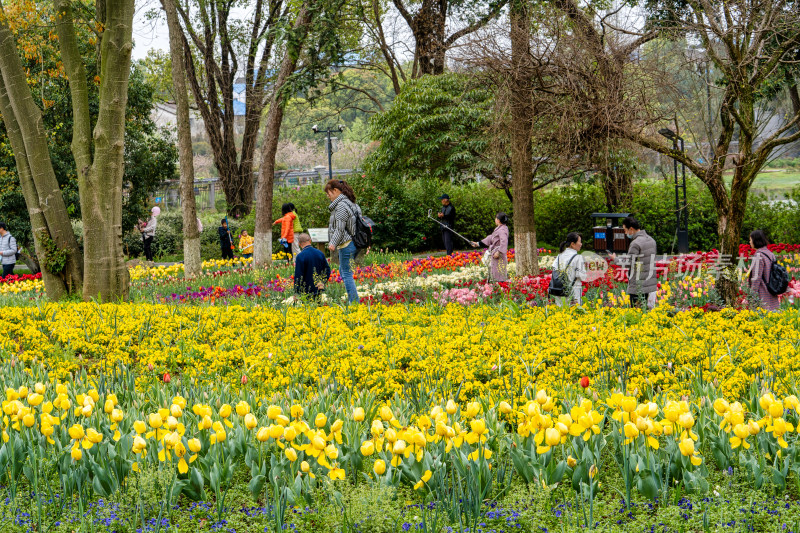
[(148, 34)]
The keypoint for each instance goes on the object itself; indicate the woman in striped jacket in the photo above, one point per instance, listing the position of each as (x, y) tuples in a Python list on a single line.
[(341, 228)]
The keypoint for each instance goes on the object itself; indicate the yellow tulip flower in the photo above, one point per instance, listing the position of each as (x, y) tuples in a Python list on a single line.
[(367, 448), (242, 408)]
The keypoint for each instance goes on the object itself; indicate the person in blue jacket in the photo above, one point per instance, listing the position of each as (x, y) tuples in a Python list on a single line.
[(311, 269)]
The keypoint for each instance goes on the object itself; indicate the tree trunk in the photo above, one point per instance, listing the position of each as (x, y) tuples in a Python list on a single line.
[(192, 262), (429, 37), (100, 173), (730, 236), (522, 115), (618, 189), (238, 189), (54, 284), (43, 197), (208, 45), (262, 238)]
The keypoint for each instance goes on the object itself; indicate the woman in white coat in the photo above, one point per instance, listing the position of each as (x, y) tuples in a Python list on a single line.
[(571, 262)]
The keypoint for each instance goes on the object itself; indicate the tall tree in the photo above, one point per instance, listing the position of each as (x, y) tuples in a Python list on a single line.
[(192, 263), (428, 24), (99, 152), (438, 127), (52, 231), (313, 44), (521, 92), (262, 235), (754, 47), (218, 49)]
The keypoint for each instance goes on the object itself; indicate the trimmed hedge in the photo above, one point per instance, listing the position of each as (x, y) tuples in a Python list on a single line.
[(399, 209)]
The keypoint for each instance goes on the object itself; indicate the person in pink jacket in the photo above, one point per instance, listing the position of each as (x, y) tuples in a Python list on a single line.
[(497, 243)]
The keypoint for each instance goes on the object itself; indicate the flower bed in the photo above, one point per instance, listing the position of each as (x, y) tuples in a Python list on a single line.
[(21, 284), (386, 348), (123, 459)]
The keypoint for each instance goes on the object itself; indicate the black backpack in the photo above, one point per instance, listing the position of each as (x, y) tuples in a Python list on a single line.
[(362, 238), (778, 281), (559, 280)]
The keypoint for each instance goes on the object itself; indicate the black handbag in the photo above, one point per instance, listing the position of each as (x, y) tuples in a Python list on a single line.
[(560, 280)]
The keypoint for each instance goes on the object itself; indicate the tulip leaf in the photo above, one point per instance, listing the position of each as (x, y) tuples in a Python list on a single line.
[(256, 485), (581, 473), (101, 486), (720, 458), (194, 487), (213, 477), (648, 487), (778, 478), (558, 473)]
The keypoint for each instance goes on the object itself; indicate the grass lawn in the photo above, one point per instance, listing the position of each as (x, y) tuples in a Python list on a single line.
[(779, 182)]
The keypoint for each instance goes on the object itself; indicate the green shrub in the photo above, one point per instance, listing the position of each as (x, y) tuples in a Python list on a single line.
[(654, 206), (790, 162), (563, 209), (399, 209), (780, 219)]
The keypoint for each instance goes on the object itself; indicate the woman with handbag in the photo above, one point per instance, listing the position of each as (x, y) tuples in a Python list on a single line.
[(497, 249), (570, 265)]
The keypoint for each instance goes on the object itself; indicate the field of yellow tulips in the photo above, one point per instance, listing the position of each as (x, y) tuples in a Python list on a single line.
[(475, 350), (117, 452), (440, 404)]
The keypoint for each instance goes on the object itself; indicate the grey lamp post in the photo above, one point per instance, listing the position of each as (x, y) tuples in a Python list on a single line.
[(328, 132), (681, 212)]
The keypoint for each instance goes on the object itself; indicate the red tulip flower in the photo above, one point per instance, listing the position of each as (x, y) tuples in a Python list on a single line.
[(244, 379), (584, 382), (166, 377)]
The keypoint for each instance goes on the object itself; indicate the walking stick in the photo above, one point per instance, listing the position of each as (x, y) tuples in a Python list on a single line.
[(447, 227)]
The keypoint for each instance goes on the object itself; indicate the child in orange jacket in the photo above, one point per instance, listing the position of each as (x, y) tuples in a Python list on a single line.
[(287, 228)]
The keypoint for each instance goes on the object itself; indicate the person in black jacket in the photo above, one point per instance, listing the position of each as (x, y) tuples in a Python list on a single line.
[(447, 215), (311, 269), (225, 240)]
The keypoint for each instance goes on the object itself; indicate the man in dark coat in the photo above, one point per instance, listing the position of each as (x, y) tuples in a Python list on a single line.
[(447, 215), (311, 269), (225, 240), (640, 262)]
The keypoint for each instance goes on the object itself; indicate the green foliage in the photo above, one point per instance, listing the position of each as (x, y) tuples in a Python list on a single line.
[(435, 129), (563, 209), (400, 209), (780, 219), (654, 206), (150, 154), (343, 100), (55, 258), (157, 70), (789, 162), (13, 210)]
